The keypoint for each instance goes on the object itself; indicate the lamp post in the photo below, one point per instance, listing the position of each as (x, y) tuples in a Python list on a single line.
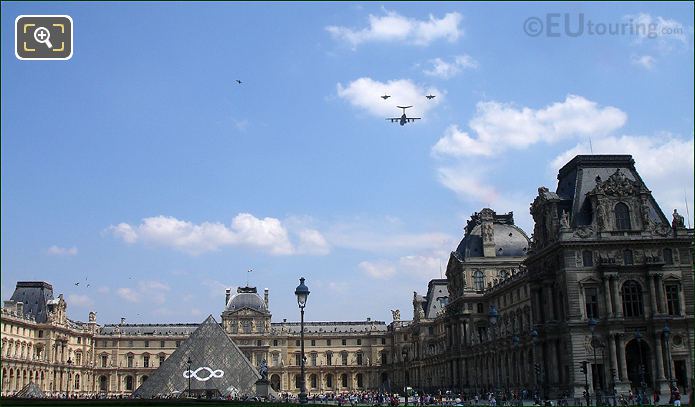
[(302, 293), (189, 375), (594, 374), (536, 365), (642, 384), (67, 384), (404, 353), (492, 316), (667, 335)]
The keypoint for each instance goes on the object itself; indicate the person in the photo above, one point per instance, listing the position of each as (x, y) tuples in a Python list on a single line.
[(676, 397)]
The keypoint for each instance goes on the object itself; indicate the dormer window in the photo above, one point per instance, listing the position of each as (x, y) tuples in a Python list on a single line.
[(622, 217)]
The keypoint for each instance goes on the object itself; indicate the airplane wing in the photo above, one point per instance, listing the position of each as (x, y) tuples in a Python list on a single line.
[(393, 119), (412, 119)]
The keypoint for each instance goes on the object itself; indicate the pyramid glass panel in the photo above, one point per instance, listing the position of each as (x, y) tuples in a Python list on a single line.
[(218, 368)]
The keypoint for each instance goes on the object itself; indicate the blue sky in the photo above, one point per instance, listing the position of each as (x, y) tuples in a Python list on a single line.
[(140, 167)]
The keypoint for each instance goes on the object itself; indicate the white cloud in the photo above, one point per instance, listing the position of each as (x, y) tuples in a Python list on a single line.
[(103, 290), (393, 27), (645, 61), (128, 294), (62, 251), (664, 30), (499, 126), (151, 291), (267, 234), (380, 270), (365, 93), (79, 300), (383, 241), (446, 70), (467, 184), (664, 162)]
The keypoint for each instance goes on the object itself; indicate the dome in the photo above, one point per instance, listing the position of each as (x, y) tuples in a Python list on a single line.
[(246, 300), (510, 241)]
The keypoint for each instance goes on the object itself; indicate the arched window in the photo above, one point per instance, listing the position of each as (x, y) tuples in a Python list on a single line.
[(627, 257), (344, 380), (360, 380), (622, 217), (329, 381), (632, 299), (103, 383), (668, 256), (77, 381), (587, 258), (313, 381), (478, 280), (129, 383)]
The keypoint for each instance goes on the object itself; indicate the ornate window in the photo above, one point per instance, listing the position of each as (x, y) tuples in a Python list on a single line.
[(298, 359), (77, 381), (298, 381), (668, 256), (359, 341), (146, 361), (314, 358), (313, 381), (359, 359), (673, 302), (130, 359), (627, 257), (246, 326), (591, 300), (478, 280), (329, 359), (329, 381), (276, 359), (104, 360), (78, 358), (161, 359), (622, 217), (344, 358), (587, 258), (344, 380), (360, 380), (632, 299), (129, 383), (384, 358)]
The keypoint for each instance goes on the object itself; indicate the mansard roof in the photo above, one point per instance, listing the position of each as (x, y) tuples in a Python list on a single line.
[(35, 295)]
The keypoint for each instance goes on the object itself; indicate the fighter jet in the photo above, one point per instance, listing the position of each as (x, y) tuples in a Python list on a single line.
[(431, 96), (385, 96), (403, 119), (238, 81)]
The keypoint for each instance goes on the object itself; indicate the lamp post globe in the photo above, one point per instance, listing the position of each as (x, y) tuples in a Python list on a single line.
[(302, 293)]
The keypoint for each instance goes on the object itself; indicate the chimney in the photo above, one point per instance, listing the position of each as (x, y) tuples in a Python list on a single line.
[(227, 294), (369, 319), (122, 320), (265, 297)]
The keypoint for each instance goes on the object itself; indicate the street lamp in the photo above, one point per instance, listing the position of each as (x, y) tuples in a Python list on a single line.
[(189, 361), (536, 365), (515, 342), (492, 316), (302, 293), (67, 385), (404, 353), (592, 327), (667, 335), (638, 336)]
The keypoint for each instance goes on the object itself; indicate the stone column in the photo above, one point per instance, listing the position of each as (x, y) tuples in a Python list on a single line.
[(607, 293), (621, 356), (617, 301), (613, 357), (652, 294), (658, 351)]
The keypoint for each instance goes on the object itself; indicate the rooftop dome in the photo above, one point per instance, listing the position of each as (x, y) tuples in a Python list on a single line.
[(509, 239), (246, 297)]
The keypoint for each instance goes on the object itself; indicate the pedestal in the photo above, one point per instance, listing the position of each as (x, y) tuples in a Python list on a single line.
[(262, 388)]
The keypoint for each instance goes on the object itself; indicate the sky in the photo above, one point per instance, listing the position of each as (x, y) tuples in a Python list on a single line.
[(143, 171)]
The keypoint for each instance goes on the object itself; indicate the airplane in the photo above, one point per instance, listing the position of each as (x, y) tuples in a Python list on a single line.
[(431, 96), (403, 119), (238, 81), (385, 96)]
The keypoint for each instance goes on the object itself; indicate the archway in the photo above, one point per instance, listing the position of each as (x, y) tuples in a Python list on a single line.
[(103, 383), (637, 354), (275, 382)]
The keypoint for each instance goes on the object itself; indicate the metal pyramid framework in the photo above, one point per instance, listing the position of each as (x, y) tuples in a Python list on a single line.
[(218, 367), (30, 391)]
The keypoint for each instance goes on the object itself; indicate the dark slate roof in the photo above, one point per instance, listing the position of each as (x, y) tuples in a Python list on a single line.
[(437, 297), (578, 177), (508, 237), (34, 295), (246, 300), (149, 329), (331, 327)]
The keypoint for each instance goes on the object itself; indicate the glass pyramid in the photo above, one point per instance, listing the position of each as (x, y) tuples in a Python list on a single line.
[(30, 391), (218, 368)]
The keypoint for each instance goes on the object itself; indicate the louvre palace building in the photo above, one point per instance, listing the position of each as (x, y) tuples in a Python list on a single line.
[(599, 296)]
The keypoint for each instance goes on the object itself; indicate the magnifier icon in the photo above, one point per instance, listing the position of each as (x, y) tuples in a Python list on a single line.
[(43, 36)]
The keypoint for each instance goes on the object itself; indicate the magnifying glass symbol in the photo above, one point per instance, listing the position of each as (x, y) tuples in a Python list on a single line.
[(43, 36)]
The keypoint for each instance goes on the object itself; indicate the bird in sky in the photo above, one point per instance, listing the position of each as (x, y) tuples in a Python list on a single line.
[(238, 81), (431, 96), (77, 283), (385, 96)]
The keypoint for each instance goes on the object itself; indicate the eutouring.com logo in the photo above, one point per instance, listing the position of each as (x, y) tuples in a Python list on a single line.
[(577, 25)]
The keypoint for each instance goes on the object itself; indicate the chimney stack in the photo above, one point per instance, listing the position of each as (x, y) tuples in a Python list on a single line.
[(227, 293), (122, 320), (265, 297)]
